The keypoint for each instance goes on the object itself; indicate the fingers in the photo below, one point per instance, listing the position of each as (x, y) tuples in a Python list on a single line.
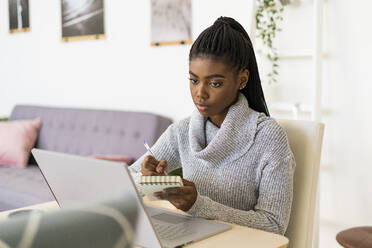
[(150, 173), (149, 162), (174, 193), (181, 197), (148, 166), (178, 190), (152, 167), (183, 202), (162, 167), (187, 183), (149, 159), (166, 196)]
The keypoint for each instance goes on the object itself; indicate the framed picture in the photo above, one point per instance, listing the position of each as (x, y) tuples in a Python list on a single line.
[(170, 22), (19, 19), (82, 19)]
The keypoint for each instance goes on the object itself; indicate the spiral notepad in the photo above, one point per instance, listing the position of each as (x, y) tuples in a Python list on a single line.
[(151, 184)]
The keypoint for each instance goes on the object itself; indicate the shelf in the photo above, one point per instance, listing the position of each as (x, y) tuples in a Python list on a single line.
[(290, 107), (293, 54)]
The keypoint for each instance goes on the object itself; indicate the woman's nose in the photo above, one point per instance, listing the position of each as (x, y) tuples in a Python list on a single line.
[(201, 91)]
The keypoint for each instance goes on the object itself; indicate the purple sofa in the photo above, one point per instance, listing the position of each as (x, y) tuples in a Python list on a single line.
[(78, 131)]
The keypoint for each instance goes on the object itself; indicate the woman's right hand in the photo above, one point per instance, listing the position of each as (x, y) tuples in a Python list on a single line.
[(152, 167)]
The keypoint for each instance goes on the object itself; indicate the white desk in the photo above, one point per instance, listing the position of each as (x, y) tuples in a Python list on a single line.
[(238, 236)]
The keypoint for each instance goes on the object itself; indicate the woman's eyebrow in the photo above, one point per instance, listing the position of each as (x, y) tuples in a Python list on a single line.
[(209, 76), (193, 74), (215, 75)]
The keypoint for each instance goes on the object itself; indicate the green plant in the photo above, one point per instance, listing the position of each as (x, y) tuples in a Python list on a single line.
[(4, 118), (267, 15)]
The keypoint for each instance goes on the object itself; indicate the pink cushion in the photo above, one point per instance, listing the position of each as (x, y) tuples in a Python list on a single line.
[(117, 158), (17, 140)]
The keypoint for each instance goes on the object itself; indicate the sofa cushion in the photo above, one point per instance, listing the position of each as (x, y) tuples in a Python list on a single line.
[(117, 158), (22, 187), (17, 140)]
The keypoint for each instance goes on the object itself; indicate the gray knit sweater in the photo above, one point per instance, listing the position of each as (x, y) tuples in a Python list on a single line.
[(243, 171)]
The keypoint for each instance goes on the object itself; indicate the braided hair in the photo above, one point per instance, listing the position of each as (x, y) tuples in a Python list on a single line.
[(226, 39)]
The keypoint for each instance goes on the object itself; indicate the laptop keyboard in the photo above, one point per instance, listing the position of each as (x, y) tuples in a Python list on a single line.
[(172, 232)]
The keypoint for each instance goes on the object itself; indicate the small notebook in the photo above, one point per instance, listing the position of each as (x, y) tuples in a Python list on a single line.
[(151, 184)]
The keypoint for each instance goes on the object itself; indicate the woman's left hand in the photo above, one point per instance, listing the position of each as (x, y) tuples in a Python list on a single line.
[(181, 197)]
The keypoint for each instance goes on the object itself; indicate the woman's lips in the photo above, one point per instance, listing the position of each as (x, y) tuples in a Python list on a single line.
[(201, 107)]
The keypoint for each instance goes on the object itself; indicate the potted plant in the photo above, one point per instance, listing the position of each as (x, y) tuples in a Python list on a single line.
[(268, 14)]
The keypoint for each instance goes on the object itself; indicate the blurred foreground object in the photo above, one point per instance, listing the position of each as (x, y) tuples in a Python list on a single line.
[(108, 224)]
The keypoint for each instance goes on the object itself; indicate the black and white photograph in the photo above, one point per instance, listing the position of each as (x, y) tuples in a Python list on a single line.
[(82, 19), (170, 22), (19, 19)]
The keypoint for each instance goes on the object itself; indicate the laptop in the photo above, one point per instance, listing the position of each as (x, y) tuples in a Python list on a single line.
[(76, 179)]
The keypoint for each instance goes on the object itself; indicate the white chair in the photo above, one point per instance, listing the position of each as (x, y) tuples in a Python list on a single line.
[(305, 139)]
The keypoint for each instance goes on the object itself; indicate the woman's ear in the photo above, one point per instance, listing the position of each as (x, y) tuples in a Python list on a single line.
[(243, 78)]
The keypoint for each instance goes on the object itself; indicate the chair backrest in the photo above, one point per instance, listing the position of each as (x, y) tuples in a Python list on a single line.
[(305, 140)]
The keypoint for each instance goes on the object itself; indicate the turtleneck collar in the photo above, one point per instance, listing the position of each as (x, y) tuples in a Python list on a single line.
[(232, 140)]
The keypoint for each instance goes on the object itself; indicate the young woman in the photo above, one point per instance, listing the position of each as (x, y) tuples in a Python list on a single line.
[(236, 161)]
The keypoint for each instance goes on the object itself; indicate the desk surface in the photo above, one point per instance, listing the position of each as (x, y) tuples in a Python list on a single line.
[(238, 236)]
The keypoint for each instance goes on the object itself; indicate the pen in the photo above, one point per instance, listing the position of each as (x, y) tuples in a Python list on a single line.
[(149, 150)]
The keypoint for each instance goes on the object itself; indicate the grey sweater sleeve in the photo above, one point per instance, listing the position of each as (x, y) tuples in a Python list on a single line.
[(272, 210), (166, 148)]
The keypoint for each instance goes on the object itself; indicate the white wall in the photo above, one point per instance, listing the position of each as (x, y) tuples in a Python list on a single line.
[(345, 179), (124, 72), (119, 72)]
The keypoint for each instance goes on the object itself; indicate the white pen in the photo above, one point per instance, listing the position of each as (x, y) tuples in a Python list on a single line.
[(149, 150)]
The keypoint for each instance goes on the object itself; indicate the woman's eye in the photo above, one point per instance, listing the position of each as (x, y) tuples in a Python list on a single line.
[(216, 84), (193, 81)]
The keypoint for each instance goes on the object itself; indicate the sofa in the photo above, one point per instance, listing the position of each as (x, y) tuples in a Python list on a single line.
[(85, 132)]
